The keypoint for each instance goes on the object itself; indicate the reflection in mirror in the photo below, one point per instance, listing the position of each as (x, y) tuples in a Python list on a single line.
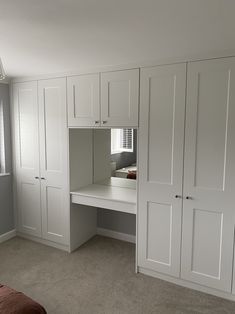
[(123, 153)]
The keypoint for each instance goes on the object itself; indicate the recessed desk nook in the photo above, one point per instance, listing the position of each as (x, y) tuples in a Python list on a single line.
[(96, 193)]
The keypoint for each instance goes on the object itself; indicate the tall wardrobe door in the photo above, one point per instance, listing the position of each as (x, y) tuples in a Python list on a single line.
[(54, 159), (161, 139), (25, 110), (209, 176)]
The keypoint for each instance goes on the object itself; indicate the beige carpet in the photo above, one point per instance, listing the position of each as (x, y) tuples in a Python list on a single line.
[(98, 278)]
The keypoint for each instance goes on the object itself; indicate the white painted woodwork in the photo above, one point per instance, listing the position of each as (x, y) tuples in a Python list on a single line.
[(209, 174), (161, 140), (120, 98), (54, 159), (26, 139), (187, 284), (116, 235), (83, 224), (106, 196), (7, 236), (90, 163), (80, 158), (207, 247), (83, 100), (101, 154), (83, 219)]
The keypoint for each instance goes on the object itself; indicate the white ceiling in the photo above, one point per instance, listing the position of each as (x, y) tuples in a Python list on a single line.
[(49, 36)]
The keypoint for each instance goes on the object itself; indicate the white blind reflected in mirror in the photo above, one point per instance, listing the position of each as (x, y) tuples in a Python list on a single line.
[(121, 140)]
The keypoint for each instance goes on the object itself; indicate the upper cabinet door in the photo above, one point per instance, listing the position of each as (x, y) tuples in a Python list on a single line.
[(161, 140), (54, 159), (83, 100), (26, 152), (209, 175), (120, 98)]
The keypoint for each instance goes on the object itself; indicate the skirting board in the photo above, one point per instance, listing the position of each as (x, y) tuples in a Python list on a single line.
[(187, 284), (7, 236), (45, 242), (116, 235)]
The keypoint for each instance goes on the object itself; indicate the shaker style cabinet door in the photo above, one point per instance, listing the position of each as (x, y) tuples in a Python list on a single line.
[(26, 139), (83, 100), (120, 98), (161, 140), (209, 174), (54, 159)]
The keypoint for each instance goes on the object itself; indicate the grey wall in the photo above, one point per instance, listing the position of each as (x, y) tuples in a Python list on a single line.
[(126, 159), (116, 221), (6, 194)]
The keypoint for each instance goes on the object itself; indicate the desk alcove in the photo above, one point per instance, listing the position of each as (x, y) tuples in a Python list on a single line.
[(91, 184)]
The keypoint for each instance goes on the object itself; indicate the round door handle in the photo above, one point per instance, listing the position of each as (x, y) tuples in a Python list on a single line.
[(189, 198), (178, 196)]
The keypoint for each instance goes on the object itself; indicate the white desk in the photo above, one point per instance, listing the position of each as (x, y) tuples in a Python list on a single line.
[(111, 194)]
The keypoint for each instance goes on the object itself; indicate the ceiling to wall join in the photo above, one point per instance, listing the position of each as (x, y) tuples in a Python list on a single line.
[(49, 36)]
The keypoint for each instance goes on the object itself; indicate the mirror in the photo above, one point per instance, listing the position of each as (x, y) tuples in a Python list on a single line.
[(123, 153)]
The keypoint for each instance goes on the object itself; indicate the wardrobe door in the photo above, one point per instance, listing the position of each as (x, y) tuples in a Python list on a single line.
[(209, 175), (26, 149), (120, 98), (54, 159), (83, 100), (161, 139)]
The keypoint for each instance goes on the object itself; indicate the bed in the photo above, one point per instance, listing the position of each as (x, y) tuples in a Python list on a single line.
[(127, 172), (14, 302)]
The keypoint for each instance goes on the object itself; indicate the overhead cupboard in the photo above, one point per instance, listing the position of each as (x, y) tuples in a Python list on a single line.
[(186, 214), (186, 164), (108, 99)]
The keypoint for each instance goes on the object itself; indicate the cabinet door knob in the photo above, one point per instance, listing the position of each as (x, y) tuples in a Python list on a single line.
[(96, 122), (43, 178), (104, 121), (178, 196), (189, 198), (36, 178)]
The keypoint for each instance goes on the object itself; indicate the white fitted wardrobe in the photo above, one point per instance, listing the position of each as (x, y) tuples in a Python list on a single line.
[(47, 168), (186, 164), (41, 159), (187, 172)]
